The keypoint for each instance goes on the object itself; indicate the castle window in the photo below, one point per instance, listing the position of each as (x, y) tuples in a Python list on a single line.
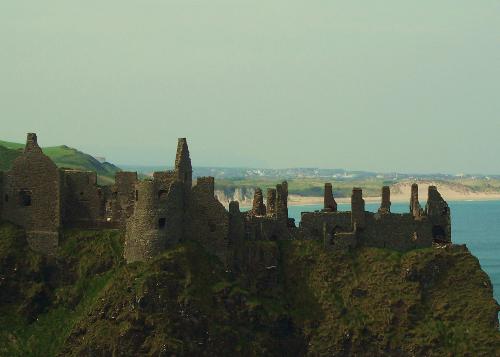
[(25, 198), (6, 198), (136, 195), (438, 234), (162, 223), (212, 227), (162, 194)]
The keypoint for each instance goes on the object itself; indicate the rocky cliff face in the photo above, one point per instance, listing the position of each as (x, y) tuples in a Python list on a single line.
[(276, 298), (243, 195)]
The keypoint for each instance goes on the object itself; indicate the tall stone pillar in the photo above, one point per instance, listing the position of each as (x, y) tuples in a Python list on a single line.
[(271, 201), (258, 207), (385, 206), (329, 203), (415, 208), (282, 200), (358, 218)]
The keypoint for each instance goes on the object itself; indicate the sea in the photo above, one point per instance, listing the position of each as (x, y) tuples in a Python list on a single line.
[(474, 223)]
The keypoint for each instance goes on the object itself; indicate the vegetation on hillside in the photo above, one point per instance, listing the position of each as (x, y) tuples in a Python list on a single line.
[(278, 298)]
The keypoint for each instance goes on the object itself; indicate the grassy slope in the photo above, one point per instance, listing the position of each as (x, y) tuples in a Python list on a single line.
[(63, 156), (373, 302), (368, 303), (54, 293)]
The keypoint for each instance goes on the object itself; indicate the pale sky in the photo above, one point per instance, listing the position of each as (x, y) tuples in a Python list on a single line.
[(408, 86)]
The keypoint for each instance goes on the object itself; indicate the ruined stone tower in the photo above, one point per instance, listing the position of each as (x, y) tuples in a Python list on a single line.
[(329, 203), (183, 169), (258, 207), (146, 228), (32, 196)]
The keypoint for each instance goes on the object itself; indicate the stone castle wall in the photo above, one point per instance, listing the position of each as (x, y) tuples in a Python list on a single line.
[(83, 202), (167, 209)]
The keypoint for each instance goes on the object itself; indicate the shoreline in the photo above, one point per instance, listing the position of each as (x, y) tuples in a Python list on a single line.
[(297, 200)]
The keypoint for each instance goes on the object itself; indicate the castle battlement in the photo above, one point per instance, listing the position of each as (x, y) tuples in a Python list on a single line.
[(166, 209)]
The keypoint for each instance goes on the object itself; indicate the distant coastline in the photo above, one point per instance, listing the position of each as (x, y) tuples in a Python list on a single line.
[(297, 200)]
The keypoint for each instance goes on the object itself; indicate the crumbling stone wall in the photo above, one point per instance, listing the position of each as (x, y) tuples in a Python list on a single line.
[(207, 221), (162, 211), (400, 232), (32, 197), (120, 203), (83, 201), (321, 225)]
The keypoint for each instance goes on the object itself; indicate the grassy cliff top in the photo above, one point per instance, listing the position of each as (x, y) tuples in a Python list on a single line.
[(279, 298)]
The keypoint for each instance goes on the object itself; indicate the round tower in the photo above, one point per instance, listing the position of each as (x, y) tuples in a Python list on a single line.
[(146, 229)]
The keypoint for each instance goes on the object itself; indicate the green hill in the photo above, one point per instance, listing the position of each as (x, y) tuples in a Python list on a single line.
[(284, 298), (63, 156)]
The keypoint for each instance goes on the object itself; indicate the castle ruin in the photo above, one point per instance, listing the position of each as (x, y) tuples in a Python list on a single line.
[(161, 211)]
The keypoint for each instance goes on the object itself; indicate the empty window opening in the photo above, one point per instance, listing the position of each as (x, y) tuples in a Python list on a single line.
[(25, 198), (212, 227), (162, 223), (185, 176), (162, 194), (136, 195), (6, 198), (438, 234)]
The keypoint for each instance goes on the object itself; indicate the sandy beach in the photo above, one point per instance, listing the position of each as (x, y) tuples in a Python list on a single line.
[(400, 192), (295, 200)]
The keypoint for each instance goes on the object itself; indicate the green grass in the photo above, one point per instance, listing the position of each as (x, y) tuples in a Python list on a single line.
[(92, 258)]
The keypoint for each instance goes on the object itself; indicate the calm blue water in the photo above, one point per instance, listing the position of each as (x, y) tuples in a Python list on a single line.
[(476, 224)]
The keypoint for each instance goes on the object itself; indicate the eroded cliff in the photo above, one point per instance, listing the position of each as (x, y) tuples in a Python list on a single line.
[(276, 298)]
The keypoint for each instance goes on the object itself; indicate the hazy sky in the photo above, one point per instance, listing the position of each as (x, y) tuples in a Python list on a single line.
[(388, 85)]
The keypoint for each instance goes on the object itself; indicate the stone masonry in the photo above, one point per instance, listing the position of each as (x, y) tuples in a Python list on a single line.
[(159, 212)]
